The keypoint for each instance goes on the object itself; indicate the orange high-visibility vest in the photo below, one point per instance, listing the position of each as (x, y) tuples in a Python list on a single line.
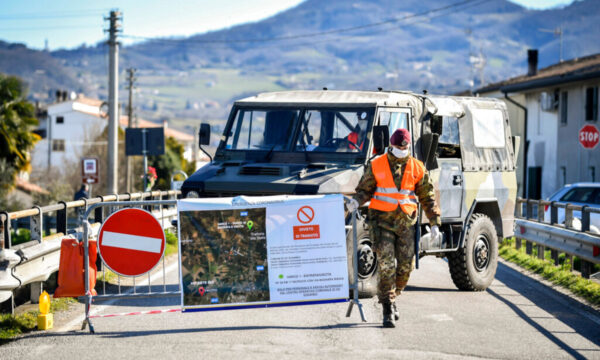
[(386, 196)]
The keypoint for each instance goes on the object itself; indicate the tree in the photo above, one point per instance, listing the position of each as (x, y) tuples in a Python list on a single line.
[(167, 164), (17, 119)]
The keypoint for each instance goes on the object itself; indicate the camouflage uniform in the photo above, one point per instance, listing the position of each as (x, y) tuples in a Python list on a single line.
[(393, 231)]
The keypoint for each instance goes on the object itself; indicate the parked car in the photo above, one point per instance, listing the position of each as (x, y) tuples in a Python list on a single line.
[(584, 193)]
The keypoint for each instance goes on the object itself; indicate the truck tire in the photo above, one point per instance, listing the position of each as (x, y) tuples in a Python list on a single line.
[(473, 267), (367, 261)]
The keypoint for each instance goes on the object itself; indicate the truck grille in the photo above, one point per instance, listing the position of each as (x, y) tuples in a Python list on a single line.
[(260, 170)]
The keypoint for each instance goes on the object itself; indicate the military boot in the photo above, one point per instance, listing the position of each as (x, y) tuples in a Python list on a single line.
[(388, 317), (395, 311)]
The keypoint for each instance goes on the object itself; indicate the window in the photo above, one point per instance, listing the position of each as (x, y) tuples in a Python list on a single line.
[(588, 195), (593, 173), (591, 103), (394, 120), (333, 131), (564, 97), (449, 143), (60, 119), (58, 145), (488, 128), (262, 130)]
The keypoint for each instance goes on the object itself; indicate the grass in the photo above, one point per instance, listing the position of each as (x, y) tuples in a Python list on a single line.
[(14, 325), (559, 275)]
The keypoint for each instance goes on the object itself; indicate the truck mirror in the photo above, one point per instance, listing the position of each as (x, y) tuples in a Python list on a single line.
[(429, 144), (204, 135), (381, 138)]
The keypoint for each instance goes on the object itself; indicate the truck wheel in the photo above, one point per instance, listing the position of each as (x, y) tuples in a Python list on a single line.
[(473, 267), (367, 261)]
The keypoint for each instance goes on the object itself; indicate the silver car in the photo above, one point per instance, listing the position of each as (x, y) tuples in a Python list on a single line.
[(583, 193)]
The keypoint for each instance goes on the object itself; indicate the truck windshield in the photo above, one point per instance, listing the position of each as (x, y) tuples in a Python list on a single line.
[(262, 129), (300, 130)]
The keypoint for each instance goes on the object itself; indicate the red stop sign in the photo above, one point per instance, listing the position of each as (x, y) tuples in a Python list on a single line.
[(589, 136)]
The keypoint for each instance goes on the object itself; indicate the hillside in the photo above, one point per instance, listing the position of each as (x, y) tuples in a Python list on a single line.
[(184, 80)]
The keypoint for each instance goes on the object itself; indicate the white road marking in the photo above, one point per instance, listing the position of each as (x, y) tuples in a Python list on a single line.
[(131, 242), (440, 317)]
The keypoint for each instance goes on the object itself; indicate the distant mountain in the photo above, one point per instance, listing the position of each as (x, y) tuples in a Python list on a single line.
[(417, 47), (42, 71)]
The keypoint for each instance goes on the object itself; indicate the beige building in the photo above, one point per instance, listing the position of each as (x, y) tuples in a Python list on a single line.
[(548, 109)]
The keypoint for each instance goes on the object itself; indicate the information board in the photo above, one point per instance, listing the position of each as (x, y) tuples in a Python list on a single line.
[(262, 251)]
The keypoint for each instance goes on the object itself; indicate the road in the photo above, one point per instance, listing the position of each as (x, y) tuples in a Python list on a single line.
[(516, 318)]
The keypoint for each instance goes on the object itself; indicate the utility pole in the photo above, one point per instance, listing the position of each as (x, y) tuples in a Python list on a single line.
[(113, 102), (130, 81)]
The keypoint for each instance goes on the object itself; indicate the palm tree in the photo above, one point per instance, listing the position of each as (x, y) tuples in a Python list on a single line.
[(17, 119)]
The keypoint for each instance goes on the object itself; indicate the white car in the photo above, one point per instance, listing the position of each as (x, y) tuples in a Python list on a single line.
[(584, 193)]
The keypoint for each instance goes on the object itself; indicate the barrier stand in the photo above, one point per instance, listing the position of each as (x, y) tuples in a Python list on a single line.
[(354, 285)]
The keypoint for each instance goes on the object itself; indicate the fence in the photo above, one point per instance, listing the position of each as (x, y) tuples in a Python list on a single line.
[(538, 224), (162, 291), (34, 261)]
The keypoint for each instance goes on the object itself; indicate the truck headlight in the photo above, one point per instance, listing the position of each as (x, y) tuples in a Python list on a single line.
[(192, 195)]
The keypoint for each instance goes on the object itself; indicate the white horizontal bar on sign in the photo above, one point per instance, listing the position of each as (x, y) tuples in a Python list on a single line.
[(131, 242)]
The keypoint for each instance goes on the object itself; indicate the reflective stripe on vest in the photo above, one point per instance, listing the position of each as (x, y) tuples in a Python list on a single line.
[(387, 197)]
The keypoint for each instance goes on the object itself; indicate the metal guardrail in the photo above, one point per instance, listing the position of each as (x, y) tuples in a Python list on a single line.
[(33, 262), (573, 237)]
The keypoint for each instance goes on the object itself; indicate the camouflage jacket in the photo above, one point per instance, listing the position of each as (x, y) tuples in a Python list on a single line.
[(392, 219)]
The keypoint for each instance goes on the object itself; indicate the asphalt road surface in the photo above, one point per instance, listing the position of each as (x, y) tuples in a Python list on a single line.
[(516, 318)]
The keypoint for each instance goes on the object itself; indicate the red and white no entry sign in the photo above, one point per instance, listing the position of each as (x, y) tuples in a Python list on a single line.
[(589, 136), (306, 214), (131, 242)]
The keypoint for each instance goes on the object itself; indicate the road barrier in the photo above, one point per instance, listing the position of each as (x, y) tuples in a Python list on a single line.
[(132, 236), (33, 262), (573, 237)]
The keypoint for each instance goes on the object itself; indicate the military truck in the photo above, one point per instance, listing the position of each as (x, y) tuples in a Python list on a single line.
[(319, 142)]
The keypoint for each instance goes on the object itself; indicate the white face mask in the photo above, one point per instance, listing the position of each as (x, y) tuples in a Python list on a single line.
[(399, 153)]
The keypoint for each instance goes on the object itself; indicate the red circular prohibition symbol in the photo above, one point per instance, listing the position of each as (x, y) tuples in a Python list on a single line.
[(306, 214)]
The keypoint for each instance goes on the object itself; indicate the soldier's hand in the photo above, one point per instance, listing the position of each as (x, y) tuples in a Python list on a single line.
[(351, 205), (435, 232)]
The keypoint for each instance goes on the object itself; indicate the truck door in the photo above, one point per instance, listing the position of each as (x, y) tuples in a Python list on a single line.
[(448, 177)]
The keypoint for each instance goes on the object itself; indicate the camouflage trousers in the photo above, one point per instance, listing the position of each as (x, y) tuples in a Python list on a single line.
[(395, 258)]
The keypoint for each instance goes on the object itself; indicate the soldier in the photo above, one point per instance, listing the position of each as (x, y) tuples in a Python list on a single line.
[(393, 182)]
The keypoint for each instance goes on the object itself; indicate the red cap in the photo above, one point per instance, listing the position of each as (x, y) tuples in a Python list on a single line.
[(400, 137)]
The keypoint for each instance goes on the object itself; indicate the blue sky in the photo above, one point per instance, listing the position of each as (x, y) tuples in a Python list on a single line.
[(70, 23)]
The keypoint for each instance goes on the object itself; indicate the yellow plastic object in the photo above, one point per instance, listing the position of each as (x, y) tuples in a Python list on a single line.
[(44, 302), (45, 321)]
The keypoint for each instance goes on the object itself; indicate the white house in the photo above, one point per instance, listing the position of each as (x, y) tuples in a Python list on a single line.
[(73, 124), (549, 108)]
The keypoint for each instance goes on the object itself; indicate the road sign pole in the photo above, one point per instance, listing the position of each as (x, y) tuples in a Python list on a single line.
[(145, 151)]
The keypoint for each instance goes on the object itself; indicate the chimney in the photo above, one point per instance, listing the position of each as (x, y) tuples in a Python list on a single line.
[(58, 95), (532, 61)]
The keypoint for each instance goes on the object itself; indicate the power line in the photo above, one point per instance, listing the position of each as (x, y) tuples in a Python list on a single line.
[(49, 28), (52, 15), (309, 35)]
